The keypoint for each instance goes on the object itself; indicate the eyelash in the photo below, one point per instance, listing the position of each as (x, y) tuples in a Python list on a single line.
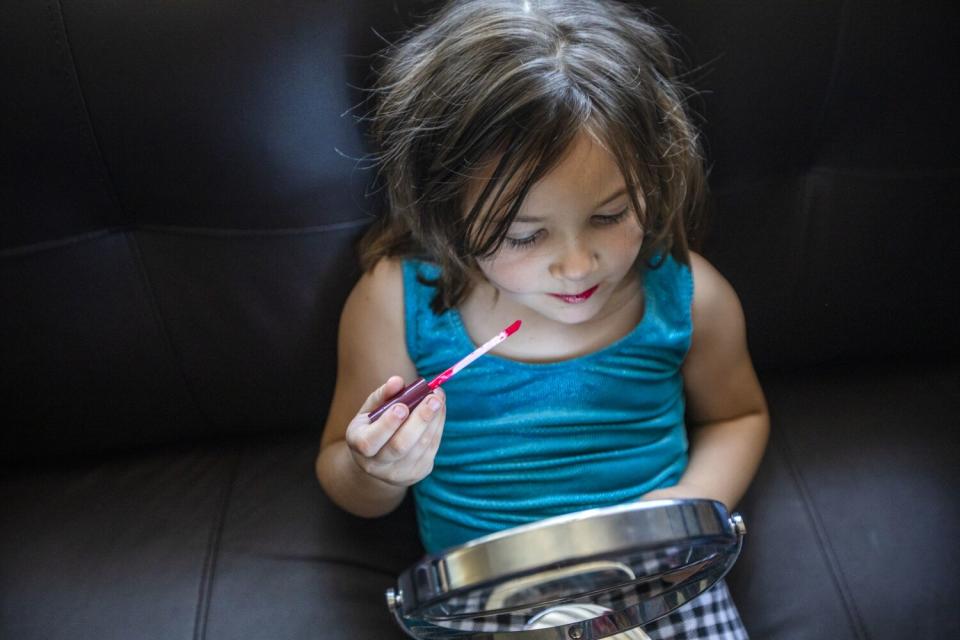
[(529, 241), (612, 218), (523, 243)]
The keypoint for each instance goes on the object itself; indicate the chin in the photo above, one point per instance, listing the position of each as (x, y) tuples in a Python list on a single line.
[(579, 317), (572, 314)]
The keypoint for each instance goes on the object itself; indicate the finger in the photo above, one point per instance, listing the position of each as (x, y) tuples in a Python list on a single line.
[(368, 439), (405, 442), (430, 442), (388, 389), (424, 465)]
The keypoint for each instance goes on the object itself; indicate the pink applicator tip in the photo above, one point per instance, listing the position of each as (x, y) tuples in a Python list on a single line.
[(414, 393)]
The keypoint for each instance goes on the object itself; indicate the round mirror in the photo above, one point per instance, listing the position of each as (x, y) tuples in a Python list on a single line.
[(581, 576)]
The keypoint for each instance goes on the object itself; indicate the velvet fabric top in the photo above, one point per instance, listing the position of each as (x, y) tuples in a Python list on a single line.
[(527, 441)]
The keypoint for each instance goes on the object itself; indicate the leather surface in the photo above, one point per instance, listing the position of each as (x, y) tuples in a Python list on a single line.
[(181, 185), (849, 516), (118, 549), (238, 541), (207, 541), (180, 166)]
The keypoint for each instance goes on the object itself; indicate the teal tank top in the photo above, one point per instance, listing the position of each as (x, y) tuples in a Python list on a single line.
[(527, 441)]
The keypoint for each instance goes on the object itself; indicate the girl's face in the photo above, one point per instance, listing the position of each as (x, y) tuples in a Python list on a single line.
[(570, 252)]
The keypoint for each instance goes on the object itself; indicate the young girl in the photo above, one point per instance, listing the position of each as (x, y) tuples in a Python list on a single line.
[(540, 166)]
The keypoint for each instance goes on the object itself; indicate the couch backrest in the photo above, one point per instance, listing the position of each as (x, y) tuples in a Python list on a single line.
[(182, 185), (179, 207), (832, 131)]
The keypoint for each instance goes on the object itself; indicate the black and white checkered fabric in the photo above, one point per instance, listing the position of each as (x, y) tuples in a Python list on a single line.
[(710, 616)]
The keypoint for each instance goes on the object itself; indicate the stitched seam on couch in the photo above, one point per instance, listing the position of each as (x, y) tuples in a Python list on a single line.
[(158, 317), (58, 243), (823, 541), (839, 45), (214, 232), (213, 551), (324, 560), (81, 108), (228, 232)]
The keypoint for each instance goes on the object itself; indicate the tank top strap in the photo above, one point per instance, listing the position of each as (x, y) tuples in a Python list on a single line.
[(431, 338), (668, 300), (434, 340), (598, 429)]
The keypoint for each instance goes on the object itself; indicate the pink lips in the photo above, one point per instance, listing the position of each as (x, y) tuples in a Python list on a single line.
[(578, 297)]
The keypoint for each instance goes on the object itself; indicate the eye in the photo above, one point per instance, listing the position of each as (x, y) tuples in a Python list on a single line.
[(526, 241), (613, 218)]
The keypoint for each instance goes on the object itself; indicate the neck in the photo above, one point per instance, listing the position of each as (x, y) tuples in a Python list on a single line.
[(547, 340)]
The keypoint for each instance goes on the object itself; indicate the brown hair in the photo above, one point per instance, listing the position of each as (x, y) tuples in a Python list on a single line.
[(514, 82)]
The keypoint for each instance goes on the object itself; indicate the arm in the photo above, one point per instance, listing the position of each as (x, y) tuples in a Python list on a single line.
[(366, 468), (726, 411)]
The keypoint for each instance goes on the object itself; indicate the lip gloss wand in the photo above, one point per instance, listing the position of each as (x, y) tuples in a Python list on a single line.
[(416, 391)]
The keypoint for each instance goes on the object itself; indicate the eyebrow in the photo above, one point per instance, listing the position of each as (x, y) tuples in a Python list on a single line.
[(605, 201)]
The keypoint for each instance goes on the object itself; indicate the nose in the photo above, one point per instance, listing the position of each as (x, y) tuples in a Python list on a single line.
[(576, 262)]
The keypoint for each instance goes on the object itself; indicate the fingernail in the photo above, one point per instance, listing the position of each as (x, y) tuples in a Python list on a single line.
[(399, 410), (434, 404)]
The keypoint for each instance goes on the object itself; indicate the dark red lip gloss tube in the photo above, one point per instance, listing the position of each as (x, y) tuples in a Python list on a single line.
[(414, 393), (411, 395)]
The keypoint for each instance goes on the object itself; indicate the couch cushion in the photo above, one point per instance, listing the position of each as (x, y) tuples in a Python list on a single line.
[(292, 565), (852, 506), (115, 549), (239, 541), (178, 212), (138, 337), (201, 542)]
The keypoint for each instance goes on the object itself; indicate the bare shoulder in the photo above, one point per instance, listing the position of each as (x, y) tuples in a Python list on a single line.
[(716, 307), (371, 344), (718, 373), (379, 290), (372, 329)]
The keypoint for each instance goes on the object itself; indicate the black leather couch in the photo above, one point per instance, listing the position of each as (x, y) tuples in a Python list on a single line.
[(181, 186)]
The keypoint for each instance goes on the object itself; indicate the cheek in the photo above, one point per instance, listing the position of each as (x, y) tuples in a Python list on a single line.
[(517, 273), (624, 246), (508, 273)]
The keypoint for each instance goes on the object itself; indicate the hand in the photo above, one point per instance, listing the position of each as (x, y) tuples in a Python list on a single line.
[(678, 492), (400, 447)]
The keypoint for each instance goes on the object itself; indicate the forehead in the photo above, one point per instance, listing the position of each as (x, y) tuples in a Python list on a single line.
[(586, 171)]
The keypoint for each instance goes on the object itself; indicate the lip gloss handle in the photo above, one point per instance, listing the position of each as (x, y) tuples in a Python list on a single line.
[(411, 395)]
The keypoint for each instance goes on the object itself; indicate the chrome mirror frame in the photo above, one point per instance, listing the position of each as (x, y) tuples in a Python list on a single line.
[(445, 595)]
